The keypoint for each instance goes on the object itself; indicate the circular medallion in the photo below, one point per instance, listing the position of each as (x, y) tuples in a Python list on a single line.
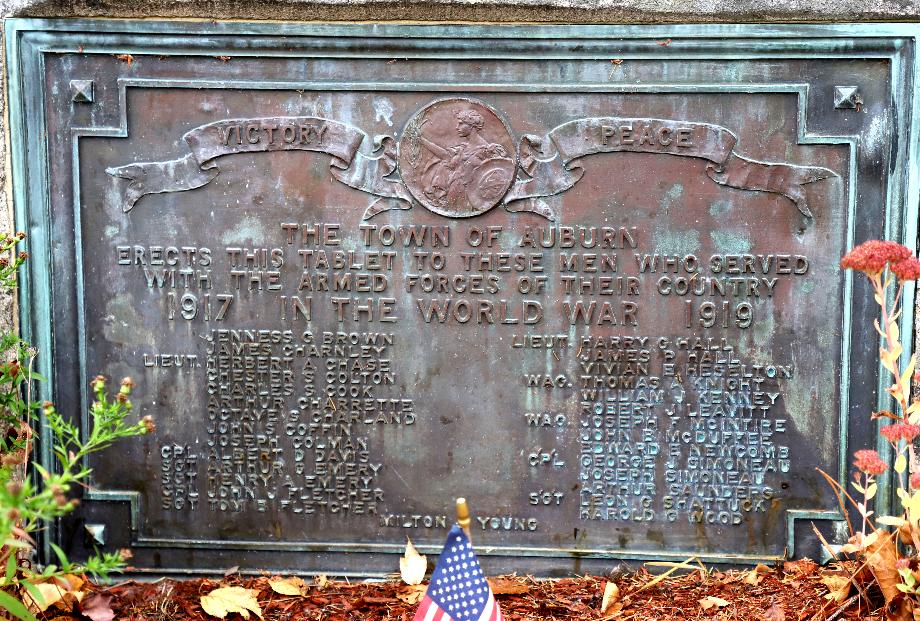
[(457, 157)]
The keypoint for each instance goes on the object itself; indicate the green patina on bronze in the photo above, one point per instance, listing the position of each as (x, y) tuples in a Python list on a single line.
[(221, 135)]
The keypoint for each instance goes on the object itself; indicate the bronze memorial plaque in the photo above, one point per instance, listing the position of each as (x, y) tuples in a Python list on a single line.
[(586, 277)]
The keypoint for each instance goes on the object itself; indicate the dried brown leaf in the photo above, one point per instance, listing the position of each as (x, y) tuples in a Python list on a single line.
[(72, 582), (774, 613), (611, 595), (411, 594), (63, 589), (801, 567), (225, 600), (292, 586), (903, 610), (412, 565), (508, 586), (838, 587), (753, 577), (98, 607), (50, 595), (881, 557), (710, 601)]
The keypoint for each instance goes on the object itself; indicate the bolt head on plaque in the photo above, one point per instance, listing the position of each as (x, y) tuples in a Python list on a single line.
[(81, 91), (457, 157), (847, 98), (95, 534)]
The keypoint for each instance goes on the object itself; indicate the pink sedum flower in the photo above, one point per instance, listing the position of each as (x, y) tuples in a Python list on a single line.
[(900, 431), (868, 461), (872, 256), (906, 269)]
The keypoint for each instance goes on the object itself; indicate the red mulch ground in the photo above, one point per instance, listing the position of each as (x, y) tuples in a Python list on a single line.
[(794, 591)]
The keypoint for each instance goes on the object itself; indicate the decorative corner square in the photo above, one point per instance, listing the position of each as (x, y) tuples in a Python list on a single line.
[(95, 533), (847, 98), (82, 91)]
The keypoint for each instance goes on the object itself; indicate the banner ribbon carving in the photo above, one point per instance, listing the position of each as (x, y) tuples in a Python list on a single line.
[(548, 165), (356, 160), (552, 166)]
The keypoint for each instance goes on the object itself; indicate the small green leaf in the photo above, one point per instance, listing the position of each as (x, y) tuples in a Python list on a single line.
[(33, 590), (15, 607), (65, 562), (890, 520), (11, 566), (900, 464), (40, 378), (903, 588)]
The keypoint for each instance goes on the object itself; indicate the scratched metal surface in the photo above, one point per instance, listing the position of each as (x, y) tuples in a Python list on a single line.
[(467, 382)]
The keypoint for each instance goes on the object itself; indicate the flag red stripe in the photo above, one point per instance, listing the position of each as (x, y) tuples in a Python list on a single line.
[(428, 610)]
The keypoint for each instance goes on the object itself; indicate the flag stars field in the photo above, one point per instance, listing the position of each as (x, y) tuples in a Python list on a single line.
[(458, 590)]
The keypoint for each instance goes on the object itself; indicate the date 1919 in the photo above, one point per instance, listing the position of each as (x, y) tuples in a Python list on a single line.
[(724, 315)]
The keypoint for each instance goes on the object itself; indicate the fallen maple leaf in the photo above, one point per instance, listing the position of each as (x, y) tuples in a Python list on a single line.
[(221, 602), (98, 607), (411, 594), (774, 613), (713, 602), (126, 58), (412, 565), (288, 586), (611, 595)]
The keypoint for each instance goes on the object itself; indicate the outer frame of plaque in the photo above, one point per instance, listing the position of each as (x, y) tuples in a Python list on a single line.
[(28, 41)]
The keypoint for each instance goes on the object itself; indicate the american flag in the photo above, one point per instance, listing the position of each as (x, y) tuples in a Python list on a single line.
[(458, 590)]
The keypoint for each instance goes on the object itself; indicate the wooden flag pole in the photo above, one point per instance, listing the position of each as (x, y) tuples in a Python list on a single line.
[(463, 516)]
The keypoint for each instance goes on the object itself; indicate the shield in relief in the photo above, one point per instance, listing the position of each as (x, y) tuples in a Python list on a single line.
[(457, 157)]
